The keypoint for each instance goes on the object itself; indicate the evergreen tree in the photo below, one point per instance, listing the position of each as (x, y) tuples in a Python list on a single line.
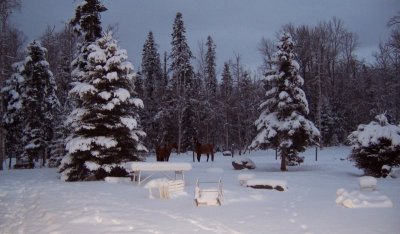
[(34, 99), (282, 123), (211, 74), (374, 145), (11, 41), (211, 85), (182, 84), (153, 89), (12, 119), (87, 25), (87, 20), (226, 91), (106, 129)]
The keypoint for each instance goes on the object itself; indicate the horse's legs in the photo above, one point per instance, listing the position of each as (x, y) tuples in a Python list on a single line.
[(212, 156), (198, 157), (208, 156)]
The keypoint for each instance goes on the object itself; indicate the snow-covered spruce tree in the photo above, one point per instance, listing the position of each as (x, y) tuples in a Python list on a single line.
[(182, 84), (105, 127), (87, 20), (39, 102), (210, 85), (12, 120), (374, 145), (211, 73), (86, 25), (153, 90), (282, 123), (226, 92)]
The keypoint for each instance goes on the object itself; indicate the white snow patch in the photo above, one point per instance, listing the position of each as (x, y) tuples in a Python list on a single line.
[(92, 166), (105, 95), (122, 94), (112, 76), (114, 180), (129, 122), (368, 182), (215, 170), (85, 144), (137, 102), (82, 88), (244, 177), (362, 199)]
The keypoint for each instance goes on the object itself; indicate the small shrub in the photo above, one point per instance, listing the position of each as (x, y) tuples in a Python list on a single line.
[(374, 145)]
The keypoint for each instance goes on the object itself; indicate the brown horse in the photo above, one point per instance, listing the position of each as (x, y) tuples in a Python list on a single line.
[(203, 149), (163, 152)]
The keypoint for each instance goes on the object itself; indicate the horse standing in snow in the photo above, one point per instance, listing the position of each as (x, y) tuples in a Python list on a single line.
[(163, 152), (203, 149)]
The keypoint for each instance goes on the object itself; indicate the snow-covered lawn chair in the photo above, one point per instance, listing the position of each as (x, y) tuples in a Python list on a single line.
[(208, 196), (167, 188), (173, 188)]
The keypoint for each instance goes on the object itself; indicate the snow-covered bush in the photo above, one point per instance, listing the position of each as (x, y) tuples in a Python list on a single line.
[(374, 145)]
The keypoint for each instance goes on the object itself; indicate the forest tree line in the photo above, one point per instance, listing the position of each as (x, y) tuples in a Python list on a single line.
[(192, 100)]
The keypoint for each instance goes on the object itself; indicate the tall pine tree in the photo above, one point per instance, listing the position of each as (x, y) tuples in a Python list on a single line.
[(106, 127), (31, 103), (182, 85), (211, 86), (226, 92), (282, 123), (153, 90), (12, 120)]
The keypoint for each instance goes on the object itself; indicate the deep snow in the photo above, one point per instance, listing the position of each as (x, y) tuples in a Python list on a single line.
[(36, 201)]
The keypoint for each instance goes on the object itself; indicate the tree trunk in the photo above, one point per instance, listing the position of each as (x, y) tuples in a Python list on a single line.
[(2, 150), (283, 159)]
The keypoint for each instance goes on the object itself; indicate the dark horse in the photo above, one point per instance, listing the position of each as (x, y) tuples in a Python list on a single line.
[(203, 149), (163, 152)]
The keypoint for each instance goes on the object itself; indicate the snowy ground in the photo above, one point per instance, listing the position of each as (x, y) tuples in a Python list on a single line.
[(36, 201)]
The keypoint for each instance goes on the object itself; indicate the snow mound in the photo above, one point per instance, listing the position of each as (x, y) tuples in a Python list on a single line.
[(362, 199), (244, 163), (243, 178), (395, 173), (368, 182), (115, 180)]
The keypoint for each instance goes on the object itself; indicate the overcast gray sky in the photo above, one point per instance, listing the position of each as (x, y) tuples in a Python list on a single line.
[(236, 26)]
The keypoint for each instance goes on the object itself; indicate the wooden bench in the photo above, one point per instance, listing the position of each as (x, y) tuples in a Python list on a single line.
[(136, 169)]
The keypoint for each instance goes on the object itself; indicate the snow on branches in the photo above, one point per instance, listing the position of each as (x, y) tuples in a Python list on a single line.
[(105, 124), (282, 123), (374, 145)]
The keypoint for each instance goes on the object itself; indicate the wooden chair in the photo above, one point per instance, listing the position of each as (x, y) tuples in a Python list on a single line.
[(206, 195)]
